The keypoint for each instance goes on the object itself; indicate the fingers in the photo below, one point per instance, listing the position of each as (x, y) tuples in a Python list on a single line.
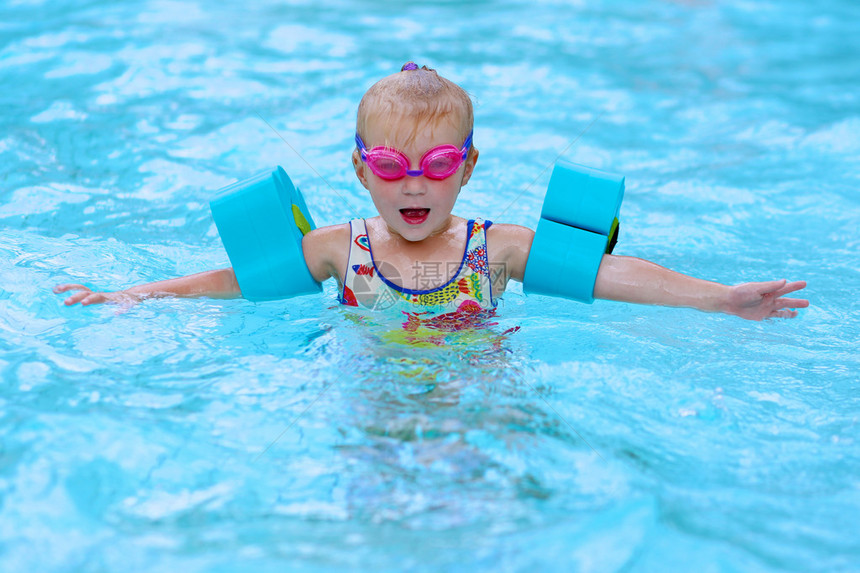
[(783, 306), (94, 298), (84, 296), (769, 287), (783, 314), (791, 287), (83, 293), (67, 287), (75, 298), (780, 287), (792, 303)]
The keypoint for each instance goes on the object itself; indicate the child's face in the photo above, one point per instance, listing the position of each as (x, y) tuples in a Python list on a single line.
[(415, 207)]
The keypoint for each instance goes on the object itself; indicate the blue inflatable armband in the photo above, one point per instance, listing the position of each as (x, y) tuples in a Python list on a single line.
[(261, 222), (578, 224)]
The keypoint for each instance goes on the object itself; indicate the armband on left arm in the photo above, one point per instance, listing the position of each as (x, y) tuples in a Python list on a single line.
[(578, 225)]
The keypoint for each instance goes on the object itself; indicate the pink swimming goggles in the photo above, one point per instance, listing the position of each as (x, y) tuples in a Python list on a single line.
[(438, 163)]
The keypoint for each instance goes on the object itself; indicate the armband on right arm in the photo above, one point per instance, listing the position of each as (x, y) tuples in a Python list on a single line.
[(578, 225), (261, 222)]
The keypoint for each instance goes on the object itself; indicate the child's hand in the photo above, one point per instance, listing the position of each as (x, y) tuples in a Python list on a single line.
[(86, 296), (757, 301)]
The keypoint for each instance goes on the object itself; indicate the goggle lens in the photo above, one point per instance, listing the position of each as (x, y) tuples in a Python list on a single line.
[(441, 163), (438, 163), (386, 165)]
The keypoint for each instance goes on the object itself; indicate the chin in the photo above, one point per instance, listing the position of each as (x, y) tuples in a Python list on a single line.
[(417, 233), (414, 235)]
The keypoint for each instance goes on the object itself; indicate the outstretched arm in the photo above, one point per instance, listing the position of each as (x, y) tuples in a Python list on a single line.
[(213, 284), (323, 249), (629, 279)]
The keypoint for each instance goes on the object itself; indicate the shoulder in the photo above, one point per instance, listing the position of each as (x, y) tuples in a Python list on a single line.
[(509, 245), (504, 232), (324, 235), (509, 237), (326, 250)]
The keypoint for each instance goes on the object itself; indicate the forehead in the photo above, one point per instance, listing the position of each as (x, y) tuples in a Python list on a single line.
[(405, 132), (402, 116)]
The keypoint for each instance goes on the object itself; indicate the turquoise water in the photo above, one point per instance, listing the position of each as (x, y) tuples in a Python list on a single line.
[(226, 435)]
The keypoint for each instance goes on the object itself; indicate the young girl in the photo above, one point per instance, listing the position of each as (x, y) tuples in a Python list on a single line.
[(414, 154)]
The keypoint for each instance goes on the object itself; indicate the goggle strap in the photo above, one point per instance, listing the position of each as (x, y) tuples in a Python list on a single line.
[(361, 147), (466, 144)]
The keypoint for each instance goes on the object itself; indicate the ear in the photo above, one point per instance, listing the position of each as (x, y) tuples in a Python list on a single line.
[(360, 168), (471, 160)]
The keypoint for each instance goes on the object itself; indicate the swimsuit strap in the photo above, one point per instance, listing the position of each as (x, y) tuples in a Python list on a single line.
[(358, 263)]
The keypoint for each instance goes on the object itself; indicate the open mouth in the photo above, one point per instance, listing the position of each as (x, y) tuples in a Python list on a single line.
[(414, 216)]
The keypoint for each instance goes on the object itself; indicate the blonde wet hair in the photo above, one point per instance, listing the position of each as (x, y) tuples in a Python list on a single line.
[(417, 97)]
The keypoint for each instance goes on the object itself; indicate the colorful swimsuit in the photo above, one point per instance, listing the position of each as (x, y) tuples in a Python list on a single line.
[(368, 283)]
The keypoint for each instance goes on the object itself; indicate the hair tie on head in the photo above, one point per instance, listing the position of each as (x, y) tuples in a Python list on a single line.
[(409, 66)]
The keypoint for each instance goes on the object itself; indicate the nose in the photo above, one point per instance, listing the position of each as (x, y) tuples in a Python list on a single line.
[(414, 185)]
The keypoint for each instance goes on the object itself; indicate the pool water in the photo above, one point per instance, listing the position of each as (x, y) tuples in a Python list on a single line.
[(555, 436)]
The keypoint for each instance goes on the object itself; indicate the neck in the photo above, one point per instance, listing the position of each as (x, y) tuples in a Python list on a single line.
[(386, 239), (405, 243), (444, 247)]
